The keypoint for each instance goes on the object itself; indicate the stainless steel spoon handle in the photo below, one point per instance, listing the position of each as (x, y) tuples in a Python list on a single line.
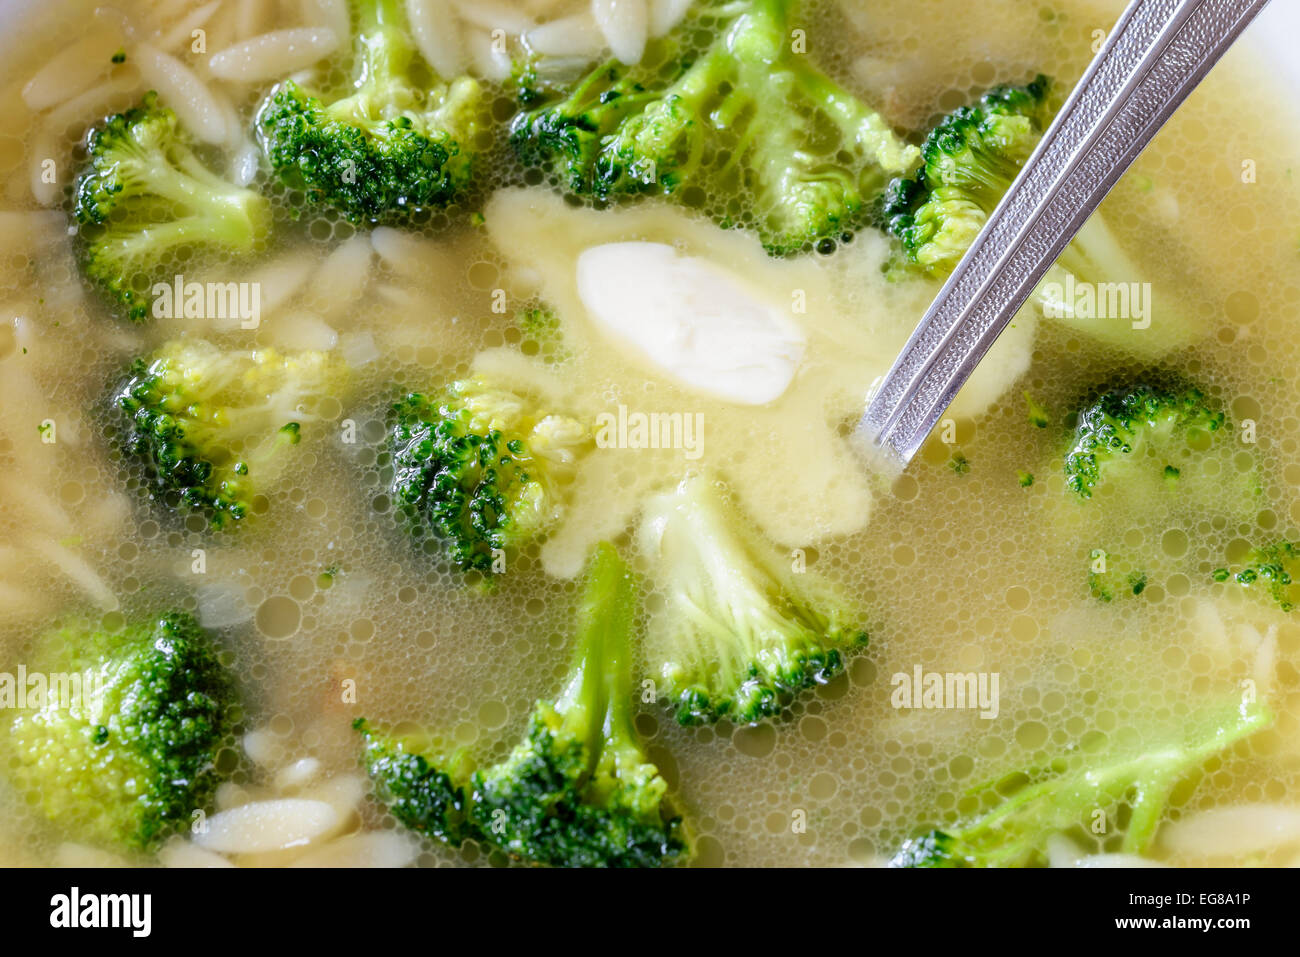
[(1156, 54)]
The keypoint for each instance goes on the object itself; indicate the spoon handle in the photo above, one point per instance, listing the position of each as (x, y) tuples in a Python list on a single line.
[(1155, 56)]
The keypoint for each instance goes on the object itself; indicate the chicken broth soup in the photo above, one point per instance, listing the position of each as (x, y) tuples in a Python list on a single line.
[(424, 440)]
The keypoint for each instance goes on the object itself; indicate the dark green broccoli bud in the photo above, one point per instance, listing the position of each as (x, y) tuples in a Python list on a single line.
[(401, 139), (131, 758), (968, 162), (1025, 479), (144, 194), (1016, 832), (578, 790), (1162, 452), (1272, 568), (481, 469), (209, 424), (743, 630), (420, 794), (745, 116), (959, 464), (1143, 428)]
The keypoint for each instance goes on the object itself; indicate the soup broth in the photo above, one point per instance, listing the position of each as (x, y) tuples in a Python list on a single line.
[(326, 611)]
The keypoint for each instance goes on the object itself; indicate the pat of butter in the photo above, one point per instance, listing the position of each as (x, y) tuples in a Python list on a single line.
[(691, 319)]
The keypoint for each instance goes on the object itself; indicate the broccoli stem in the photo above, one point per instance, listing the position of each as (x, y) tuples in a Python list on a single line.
[(1147, 780), (595, 705)]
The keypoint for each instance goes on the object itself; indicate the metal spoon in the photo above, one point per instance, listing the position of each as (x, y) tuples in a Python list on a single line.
[(1154, 57)]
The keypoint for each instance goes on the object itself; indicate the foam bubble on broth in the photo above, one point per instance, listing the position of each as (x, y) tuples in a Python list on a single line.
[(954, 572)]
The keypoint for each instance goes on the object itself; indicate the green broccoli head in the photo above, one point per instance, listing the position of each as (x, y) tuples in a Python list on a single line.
[(1272, 569), (745, 116), (144, 195), (480, 468), (421, 794), (968, 162), (401, 140), (1015, 833), (578, 790), (130, 758), (1146, 434), (1161, 452), (210, 424), (742, 631)]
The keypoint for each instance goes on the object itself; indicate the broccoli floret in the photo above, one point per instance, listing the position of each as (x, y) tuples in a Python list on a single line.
[(1274, 568), (959, 464), (1143, 430), (129, 758), (743, 630), (1016, 832), (578, 790), (144, 194), (1025, 479), (481, 469), (401, 139), (746, 116), (1163, 452), (209, 423), (968, 162)]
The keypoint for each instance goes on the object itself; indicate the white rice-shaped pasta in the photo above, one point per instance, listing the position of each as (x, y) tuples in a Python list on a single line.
[(181, 89), (117, 94), (341, 278), (296, 775), (436, 27), (300, 331), (271, 55), (268, 826), (576, 36), (46, 180), (280, 281), (230, 795), (264, 747), (491, 15), (250, 18), (179, 852), (368, 849), (70, 71), (220, 604), (625, 24), (327, 13), (177, 39), (343, 792), (78, 570), (117, 19), (1062, 852), (245, 163), (492, 61), (408, 256), (1232, 831), (358, 349), (666, 14)]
